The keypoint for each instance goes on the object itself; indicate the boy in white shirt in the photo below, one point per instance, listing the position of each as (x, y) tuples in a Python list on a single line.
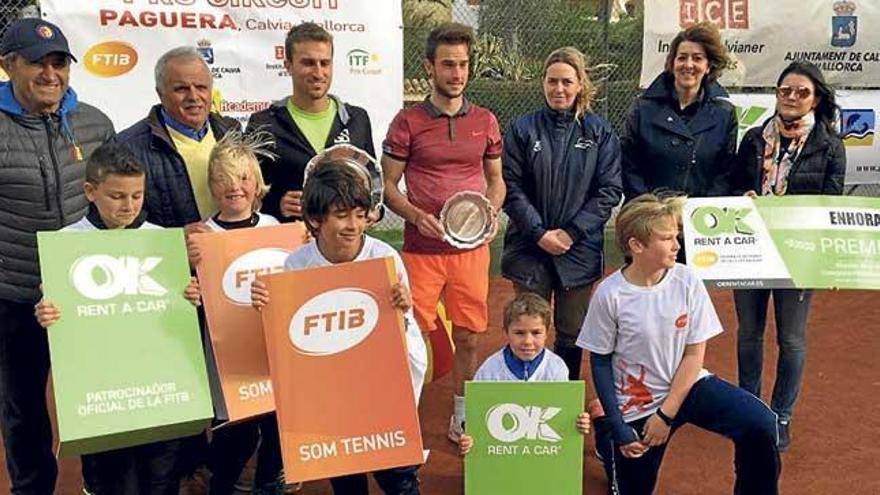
[(335, 206), (646, 330), (114, 186), (237, 187), (524, 358)]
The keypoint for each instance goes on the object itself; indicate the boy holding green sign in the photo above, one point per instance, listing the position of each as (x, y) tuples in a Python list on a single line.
[(524, 358), (646, 330), (114, 187)]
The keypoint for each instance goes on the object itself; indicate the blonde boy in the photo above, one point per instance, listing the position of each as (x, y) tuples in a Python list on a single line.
[(237, 187), (236, 181), (646, 330)]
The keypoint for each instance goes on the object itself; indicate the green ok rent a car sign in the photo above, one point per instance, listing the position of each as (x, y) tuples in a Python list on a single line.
[(784, 242), (127, 360), (525, 439)]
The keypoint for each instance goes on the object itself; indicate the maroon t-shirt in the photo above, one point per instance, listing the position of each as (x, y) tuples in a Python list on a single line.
[(444, 155)]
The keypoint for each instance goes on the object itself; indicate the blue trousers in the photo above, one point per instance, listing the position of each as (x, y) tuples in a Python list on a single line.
[(717, 406), (791, 307)]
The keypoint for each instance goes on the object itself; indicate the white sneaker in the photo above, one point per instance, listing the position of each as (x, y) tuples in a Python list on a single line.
[(455, 430)]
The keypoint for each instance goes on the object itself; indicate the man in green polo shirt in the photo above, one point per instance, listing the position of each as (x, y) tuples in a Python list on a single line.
[(307, 121)]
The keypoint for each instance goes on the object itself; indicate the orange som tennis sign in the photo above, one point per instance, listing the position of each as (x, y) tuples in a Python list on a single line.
[(342, 385), (231, 261)]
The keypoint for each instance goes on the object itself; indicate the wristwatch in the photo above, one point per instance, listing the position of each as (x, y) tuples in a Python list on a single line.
[(666, 419)]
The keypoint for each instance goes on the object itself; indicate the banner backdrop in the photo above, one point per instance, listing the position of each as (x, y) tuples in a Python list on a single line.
[(343, 393), (858, 119), (118, 43), (525, 439), (230, 262), (784, 242), (841, 37), (127, 361)]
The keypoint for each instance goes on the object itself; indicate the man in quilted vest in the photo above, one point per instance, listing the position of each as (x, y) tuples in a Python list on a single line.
[(46, 135)]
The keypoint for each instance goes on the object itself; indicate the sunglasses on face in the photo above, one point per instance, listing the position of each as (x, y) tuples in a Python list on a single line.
[(799, 92)]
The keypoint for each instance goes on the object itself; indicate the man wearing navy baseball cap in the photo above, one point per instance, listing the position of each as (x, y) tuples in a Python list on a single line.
[(48, 135)]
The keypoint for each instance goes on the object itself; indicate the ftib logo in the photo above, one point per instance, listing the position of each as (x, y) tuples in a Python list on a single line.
[(858, 126), (110, 58), (242, 272), (705, 259), (726, 14), (748, 117), (712, 220), (334, 321), (101, 276), (513, 422)]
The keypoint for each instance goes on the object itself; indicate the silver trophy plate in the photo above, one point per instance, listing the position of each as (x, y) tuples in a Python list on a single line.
[(468, 219), (360, 161)]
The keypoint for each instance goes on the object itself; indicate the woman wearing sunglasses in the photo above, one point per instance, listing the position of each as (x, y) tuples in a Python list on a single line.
[(797, 151), (680, 134)]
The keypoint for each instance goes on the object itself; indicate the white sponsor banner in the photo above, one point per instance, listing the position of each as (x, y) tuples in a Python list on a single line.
[(763, 36), (118, 43), (859, 110)]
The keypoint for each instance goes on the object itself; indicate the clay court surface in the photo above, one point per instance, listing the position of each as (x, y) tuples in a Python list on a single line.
[(835, 448)]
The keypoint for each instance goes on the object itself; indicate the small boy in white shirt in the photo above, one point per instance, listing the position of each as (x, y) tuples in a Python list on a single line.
[(524, 358), (646, 330), (237, 187), (335, 205)]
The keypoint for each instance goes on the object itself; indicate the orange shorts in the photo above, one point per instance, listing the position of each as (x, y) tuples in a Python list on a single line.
[(461, 279)]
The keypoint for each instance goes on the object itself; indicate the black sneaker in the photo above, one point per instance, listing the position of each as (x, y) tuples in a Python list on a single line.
[(782, 430)]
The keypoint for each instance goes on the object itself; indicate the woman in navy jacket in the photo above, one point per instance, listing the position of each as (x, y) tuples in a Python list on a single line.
[(562, 171), (680, 134)]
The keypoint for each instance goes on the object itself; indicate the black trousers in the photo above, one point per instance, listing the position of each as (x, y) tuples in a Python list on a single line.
[(24, 420), (149, 469), (395, 481)]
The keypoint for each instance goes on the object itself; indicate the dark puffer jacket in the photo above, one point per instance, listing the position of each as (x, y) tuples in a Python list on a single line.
[(819, 169), (351, 125), (169, 200), (41, 181), (560, 174), (663, 150)]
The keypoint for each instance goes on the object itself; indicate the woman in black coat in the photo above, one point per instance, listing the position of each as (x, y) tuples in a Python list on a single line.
[(680, 134), (561, 165), (797, 151)]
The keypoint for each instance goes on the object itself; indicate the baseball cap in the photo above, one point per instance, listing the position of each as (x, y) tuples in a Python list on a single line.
[(33, 38)]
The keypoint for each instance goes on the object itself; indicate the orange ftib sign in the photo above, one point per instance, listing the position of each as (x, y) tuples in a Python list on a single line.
[(230, 262), (342, 384)]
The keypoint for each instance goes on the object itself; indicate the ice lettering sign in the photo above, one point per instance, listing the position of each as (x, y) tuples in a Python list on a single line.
[(127, 360)]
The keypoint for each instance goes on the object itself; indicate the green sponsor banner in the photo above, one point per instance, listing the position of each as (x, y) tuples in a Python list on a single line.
[(127, 361), (785, 242), (525, 438)]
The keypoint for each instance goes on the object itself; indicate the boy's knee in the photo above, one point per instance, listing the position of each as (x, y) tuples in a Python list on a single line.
[(760, 428)]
